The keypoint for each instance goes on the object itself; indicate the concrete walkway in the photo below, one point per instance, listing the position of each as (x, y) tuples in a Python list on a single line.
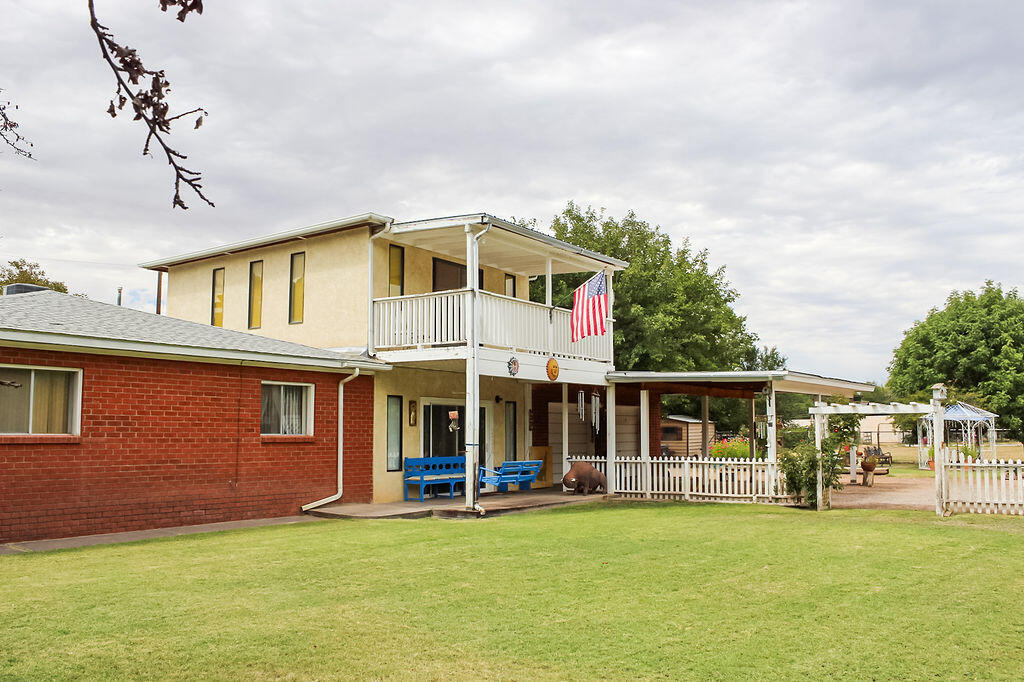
[(133, 535), (493, 504)]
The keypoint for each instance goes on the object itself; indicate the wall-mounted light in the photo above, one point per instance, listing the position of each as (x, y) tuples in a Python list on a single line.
[(412, 413)]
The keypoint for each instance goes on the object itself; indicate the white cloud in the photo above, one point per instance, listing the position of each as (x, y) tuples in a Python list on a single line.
[(849, 163)]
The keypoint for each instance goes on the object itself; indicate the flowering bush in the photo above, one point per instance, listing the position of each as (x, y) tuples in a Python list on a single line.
[(733, 448)]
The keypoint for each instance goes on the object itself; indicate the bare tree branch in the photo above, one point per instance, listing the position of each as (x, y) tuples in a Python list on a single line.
[(9, 132), (149, 105)]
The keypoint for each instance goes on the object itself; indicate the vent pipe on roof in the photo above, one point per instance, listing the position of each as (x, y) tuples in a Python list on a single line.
[(119, 290), (22, 288)]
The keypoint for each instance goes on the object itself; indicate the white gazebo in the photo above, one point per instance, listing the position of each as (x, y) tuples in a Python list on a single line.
[(972, 421)]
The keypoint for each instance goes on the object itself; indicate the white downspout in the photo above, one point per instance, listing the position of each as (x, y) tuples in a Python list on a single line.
[(341, 444), (371, 331)]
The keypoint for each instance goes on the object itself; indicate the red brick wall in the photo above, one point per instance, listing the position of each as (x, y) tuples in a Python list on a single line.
[(167, 443)]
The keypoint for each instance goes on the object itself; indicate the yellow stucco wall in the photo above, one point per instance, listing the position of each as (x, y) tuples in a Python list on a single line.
[(417, 384), (334, 312)]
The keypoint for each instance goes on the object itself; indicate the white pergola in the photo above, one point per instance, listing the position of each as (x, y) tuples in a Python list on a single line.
[(932, 411)]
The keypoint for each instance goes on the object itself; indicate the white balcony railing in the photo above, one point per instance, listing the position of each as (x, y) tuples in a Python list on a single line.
[(439, 319)]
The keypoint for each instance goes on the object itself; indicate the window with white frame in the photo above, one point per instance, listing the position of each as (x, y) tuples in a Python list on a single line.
[(36, 400), (286, 409)]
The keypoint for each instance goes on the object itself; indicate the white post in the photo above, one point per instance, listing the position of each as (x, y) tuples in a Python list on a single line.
[(991, 437), (819, 434), (547, 302), (705, 451), (610, 321), (609, 435), (645, 446), (565, 429), (773, 446), (920, 444), (472, 425), (370, 327), (938, 443)]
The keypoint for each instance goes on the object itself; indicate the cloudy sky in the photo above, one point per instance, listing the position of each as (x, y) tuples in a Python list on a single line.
[(850, 163)]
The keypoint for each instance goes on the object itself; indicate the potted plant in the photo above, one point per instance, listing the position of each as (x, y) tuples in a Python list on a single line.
[(868, 464), (931, 457)]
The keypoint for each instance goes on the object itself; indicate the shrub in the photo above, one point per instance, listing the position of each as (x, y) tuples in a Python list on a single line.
[(733, 448), (800, 467), (792, 436)]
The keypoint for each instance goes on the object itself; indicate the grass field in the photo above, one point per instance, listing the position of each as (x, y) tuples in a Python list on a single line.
[(605, 591)]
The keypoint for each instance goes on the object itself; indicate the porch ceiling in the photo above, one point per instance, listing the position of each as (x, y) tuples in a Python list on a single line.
[(505, 246)]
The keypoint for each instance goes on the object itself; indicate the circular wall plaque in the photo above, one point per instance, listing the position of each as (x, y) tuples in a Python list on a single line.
[(552, 369)]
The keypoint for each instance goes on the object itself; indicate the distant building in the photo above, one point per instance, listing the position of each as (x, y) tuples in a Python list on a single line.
[(682, 434)]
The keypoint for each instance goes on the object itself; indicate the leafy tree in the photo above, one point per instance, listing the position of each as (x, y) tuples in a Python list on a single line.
[(23, 272), (672, 308), (975, 345)]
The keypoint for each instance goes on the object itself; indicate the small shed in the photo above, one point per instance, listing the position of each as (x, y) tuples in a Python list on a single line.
[(681, 434)]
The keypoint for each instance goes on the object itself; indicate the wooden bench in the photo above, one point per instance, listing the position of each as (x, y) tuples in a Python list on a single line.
[(434, 471), (523, 474)]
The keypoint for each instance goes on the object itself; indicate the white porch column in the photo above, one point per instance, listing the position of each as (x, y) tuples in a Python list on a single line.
[(645, 438), (565, 431), (611, 315), (472, 425), (704, 451), (370, 326), (547, 302), (773, 445), (609, 436)]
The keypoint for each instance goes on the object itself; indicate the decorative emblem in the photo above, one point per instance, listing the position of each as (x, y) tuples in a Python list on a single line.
[(513, 366), (552, 369)]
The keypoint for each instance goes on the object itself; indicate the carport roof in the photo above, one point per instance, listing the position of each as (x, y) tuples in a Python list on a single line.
[(739, 384)]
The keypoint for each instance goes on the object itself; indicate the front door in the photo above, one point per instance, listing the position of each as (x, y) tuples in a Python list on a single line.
[(440, 441)]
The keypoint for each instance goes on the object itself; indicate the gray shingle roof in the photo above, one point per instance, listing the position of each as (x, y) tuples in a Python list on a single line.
[(50, 312)]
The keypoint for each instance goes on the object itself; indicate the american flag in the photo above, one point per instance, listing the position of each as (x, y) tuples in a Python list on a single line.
[(589, 308)]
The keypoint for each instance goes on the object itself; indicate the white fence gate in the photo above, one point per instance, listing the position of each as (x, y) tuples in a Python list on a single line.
[(696, 479), (982, 486)]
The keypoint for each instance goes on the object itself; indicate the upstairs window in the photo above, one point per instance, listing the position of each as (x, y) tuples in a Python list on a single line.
[(286, 409), (255, 294), (297, 288), (217, 298), (396, 270), (510, 285), (43, 401)]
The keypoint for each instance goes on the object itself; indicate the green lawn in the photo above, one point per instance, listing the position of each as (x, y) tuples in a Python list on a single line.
[(599, 591)]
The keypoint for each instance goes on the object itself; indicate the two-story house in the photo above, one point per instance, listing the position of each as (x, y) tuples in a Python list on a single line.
[(461, 345), (476, 367)]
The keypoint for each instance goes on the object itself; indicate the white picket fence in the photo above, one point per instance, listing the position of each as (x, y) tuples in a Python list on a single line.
[(697, 479), (982, 486)]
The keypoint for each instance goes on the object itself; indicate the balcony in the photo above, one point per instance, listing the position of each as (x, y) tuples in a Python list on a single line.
[(438, 320)]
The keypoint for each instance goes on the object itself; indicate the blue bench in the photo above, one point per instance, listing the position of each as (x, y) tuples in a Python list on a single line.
[(522, 474), (434, 471)]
